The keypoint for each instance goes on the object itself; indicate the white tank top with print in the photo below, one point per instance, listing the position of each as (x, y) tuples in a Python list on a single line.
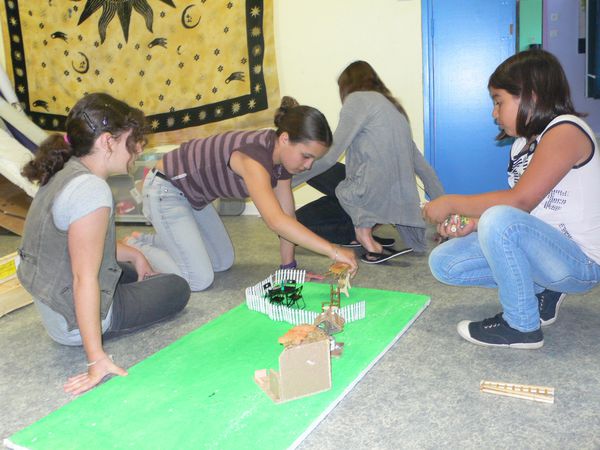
[(573, 205)]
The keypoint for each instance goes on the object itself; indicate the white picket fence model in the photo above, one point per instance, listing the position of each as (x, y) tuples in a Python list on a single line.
[(256, 300)]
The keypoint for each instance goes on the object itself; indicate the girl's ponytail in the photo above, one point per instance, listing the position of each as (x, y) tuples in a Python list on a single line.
[(287, 103), (91, 116), (51, 157), (302, 123)]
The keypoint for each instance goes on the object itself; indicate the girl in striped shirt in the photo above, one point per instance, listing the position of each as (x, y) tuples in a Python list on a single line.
[(190, 238)]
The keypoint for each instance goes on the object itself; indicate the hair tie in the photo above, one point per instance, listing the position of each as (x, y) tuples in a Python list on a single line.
[(66, 138)]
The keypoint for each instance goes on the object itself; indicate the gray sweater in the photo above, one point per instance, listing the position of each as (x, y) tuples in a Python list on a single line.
[(381, 164)]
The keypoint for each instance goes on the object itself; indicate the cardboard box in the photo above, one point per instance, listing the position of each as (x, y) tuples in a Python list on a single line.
[(14, 204), (12, 294), (304, 370)]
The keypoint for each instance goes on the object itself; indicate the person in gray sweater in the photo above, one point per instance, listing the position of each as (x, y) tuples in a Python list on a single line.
[(382, 161)]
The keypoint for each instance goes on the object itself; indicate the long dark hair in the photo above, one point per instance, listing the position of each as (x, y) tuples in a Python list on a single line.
[(302, 123), (360, 76), (91, 116), (538, 79)]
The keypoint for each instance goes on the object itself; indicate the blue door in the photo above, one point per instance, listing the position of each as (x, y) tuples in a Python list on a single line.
[(593, 48), (463, 42)]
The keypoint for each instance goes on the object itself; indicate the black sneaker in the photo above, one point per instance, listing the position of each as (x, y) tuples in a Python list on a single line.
[(549, 302), (495, 332), (384, 242)]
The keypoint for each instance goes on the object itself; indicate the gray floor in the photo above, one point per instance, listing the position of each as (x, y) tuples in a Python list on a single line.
[(424, 393)]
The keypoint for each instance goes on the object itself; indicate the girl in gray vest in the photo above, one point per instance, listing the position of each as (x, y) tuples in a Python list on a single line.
[(85, 284), (190, 238)]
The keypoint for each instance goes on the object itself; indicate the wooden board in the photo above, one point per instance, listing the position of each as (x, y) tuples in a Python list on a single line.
[(14, 204), (199, 392), (13, 296)]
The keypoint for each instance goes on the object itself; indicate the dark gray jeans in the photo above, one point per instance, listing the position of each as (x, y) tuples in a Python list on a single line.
[(138, 304), (325, 216)]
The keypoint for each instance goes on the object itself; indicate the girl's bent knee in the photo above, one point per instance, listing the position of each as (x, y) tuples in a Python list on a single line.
[(181, 291), (494, 221), (200, 283), (226, 261), (177, 291), (499, 216), (438, 265)]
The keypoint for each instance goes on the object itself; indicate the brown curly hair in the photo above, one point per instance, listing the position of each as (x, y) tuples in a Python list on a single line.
[(91, 116)]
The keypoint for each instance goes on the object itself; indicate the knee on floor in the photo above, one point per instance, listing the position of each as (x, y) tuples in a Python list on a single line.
[(201, 282)]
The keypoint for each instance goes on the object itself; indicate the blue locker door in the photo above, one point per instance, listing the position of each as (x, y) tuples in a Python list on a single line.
[(593, 48), (463, 42)]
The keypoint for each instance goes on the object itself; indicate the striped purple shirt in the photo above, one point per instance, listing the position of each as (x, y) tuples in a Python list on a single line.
[(200, 167)]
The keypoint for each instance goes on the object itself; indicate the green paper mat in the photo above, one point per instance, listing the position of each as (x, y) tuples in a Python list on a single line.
[(199, 392)]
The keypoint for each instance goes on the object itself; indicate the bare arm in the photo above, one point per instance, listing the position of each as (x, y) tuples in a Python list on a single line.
[(283, 192), (561, 148), (86, 248), (126, 253), (257, 181)]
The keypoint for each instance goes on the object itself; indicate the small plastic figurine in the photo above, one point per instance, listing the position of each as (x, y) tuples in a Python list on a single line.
[(341, 273), (302, 334), (288, 293)]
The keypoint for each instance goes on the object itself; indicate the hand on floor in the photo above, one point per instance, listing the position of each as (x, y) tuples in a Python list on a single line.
[(310, 276), (96, 372)]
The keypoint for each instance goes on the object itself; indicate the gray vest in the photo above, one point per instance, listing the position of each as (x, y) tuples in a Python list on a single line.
[(45, 267)]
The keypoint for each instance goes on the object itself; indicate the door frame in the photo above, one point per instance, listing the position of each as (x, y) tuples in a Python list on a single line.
[(427, 43)]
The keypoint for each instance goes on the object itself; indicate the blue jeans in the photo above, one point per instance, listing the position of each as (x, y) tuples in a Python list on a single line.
[(191, 243), (520, 255)]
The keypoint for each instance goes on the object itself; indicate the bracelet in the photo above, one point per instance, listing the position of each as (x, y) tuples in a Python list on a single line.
[(336, 254), (291, 265), (90, 364)]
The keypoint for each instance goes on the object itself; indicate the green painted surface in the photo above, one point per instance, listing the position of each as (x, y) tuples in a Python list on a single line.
[(199, 392), (530, 23)]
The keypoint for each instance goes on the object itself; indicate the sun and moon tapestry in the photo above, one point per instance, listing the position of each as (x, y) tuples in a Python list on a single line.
[(194, 67)]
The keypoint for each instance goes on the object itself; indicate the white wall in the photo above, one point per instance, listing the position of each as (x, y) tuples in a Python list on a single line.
[(316, 39)]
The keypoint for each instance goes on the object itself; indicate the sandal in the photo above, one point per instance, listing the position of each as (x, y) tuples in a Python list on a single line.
[(376, 258), (384, 242)]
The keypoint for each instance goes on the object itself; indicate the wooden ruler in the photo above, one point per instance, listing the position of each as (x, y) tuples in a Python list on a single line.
[(525, 391)]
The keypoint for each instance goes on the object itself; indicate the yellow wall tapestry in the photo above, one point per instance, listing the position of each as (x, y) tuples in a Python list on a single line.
[(194, 67)]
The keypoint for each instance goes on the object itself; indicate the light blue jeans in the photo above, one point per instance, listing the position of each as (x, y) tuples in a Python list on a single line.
[(520, 255), (190, 243)]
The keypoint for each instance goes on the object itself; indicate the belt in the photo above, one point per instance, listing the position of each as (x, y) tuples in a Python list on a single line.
[(159, 174)]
